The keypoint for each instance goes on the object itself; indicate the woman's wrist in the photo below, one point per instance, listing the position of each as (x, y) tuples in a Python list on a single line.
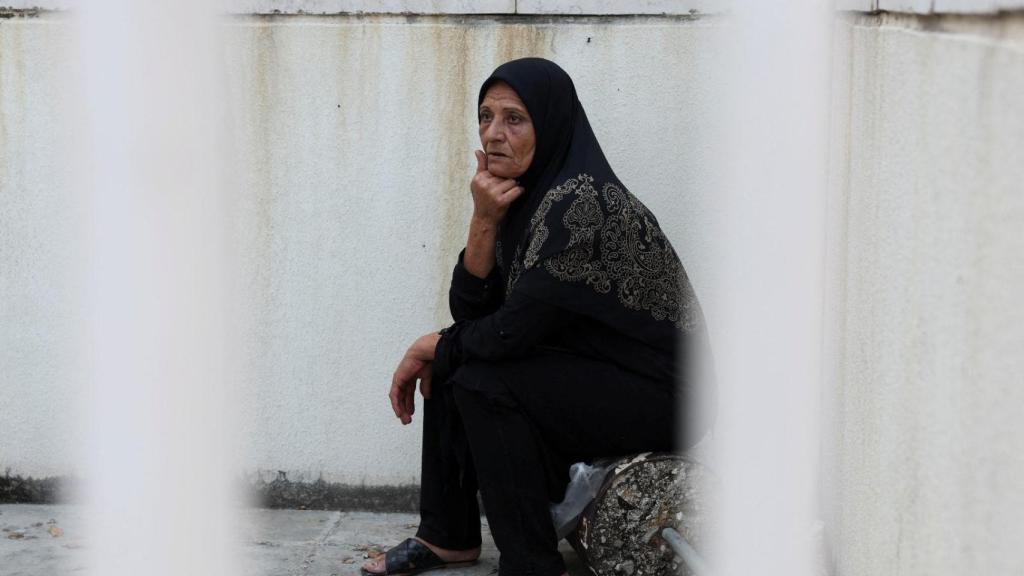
[(425, 346), (483, 224), (478, 259)]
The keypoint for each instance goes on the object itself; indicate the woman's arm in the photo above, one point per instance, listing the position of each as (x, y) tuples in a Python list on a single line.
[(479, 255), (474, 290), (415, 365), (471, 297), (512, 331), (492, 195)]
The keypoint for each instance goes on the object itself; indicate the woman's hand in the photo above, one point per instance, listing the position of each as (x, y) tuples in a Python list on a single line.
[(415, 365), (492, 194)]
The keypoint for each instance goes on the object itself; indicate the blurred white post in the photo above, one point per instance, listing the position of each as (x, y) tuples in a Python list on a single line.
[(769, 303), (159, 456)]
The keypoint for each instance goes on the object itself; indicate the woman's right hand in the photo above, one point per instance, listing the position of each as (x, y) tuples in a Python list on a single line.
[(415, 365), (492, 195)]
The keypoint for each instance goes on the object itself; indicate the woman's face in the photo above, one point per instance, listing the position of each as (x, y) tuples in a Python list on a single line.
[(506, 132)]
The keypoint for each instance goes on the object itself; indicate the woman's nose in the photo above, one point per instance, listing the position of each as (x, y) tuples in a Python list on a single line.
[(494, 132)]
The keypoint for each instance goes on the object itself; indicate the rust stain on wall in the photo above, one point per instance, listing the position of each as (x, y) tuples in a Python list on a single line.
[(252, 191), (458, 81), (457, 91), (13, 86), (522, 40)]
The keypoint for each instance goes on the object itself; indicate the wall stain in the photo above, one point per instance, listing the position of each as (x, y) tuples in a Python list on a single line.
[(1005, 27), (322, 495), (13, 87), (253, 196), (456, 118), (4, 82), (522, 40), (264, 77), (17, 489), (9, 13), (279, 17), (458, 93)]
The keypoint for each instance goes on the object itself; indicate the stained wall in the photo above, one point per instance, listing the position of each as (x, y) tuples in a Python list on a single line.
[(351, 141), (923, 461)]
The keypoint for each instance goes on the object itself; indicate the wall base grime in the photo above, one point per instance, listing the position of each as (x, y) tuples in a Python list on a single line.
[(28, 490), (321, 495)]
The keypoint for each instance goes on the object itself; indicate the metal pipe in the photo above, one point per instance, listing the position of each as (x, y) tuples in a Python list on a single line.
[(686, 552)]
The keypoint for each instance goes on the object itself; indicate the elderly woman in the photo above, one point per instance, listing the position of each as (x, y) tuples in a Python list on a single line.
[(572, 314)]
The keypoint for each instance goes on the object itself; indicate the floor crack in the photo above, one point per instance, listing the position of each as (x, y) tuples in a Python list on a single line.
[(332, 526)]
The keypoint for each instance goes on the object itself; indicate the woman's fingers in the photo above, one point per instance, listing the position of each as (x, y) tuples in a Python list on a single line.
[(403, 388), (481, 161), (483, 182), (426, 377), (403, 384), (396, 400), (503, 186), (491, 194), (512, 194), (409, 397)]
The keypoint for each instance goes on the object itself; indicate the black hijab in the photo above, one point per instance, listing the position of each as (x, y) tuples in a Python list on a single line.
[(578, 238)]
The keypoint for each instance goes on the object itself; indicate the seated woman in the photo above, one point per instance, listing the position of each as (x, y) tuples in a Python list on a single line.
[(572, 317)]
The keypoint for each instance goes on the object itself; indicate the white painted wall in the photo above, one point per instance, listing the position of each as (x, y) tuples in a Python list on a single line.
[(355, 152), (926, 329), (41, 374), (353, 143), (352, 138), (553, 7), (604, 7)]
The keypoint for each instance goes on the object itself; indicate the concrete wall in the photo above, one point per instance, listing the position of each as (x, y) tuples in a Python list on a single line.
[(40, 298), (506, 7), (352, 142), (926, 331), (355, 152)]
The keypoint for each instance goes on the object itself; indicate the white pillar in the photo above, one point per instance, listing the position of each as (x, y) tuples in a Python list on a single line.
[(766, 319), (159, 454)]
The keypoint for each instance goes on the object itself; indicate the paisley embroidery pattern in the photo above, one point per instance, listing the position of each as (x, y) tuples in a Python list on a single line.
[(538, 230), (514, 270), (613, 246)]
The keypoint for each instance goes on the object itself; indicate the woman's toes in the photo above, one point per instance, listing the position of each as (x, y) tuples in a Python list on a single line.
[(375, 566)]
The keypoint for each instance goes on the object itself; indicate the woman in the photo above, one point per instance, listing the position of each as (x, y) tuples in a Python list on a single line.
[(571, 314)]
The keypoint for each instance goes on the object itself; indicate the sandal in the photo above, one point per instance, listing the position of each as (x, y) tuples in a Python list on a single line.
[(412, 557)]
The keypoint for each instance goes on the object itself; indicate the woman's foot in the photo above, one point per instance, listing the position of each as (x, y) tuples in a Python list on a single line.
[(378, 565)]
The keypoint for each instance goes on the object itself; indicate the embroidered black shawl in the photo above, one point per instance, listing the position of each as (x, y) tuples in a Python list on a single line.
[(578, 238)]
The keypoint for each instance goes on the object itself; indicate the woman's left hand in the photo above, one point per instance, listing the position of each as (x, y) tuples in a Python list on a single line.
[(415, 365)]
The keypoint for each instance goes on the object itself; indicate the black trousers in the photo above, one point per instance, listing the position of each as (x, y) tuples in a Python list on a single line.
[(511, 430)]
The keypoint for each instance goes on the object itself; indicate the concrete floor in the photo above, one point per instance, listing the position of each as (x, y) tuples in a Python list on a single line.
[(43, 540)]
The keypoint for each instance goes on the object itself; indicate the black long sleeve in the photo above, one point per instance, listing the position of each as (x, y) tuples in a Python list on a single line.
[(511, 331), (470, 297)]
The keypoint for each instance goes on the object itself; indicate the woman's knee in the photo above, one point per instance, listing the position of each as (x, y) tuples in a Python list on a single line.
[(488, 381)]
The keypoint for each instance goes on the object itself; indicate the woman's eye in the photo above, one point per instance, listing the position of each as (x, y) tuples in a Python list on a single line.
[(485, 117), (514, 119)]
